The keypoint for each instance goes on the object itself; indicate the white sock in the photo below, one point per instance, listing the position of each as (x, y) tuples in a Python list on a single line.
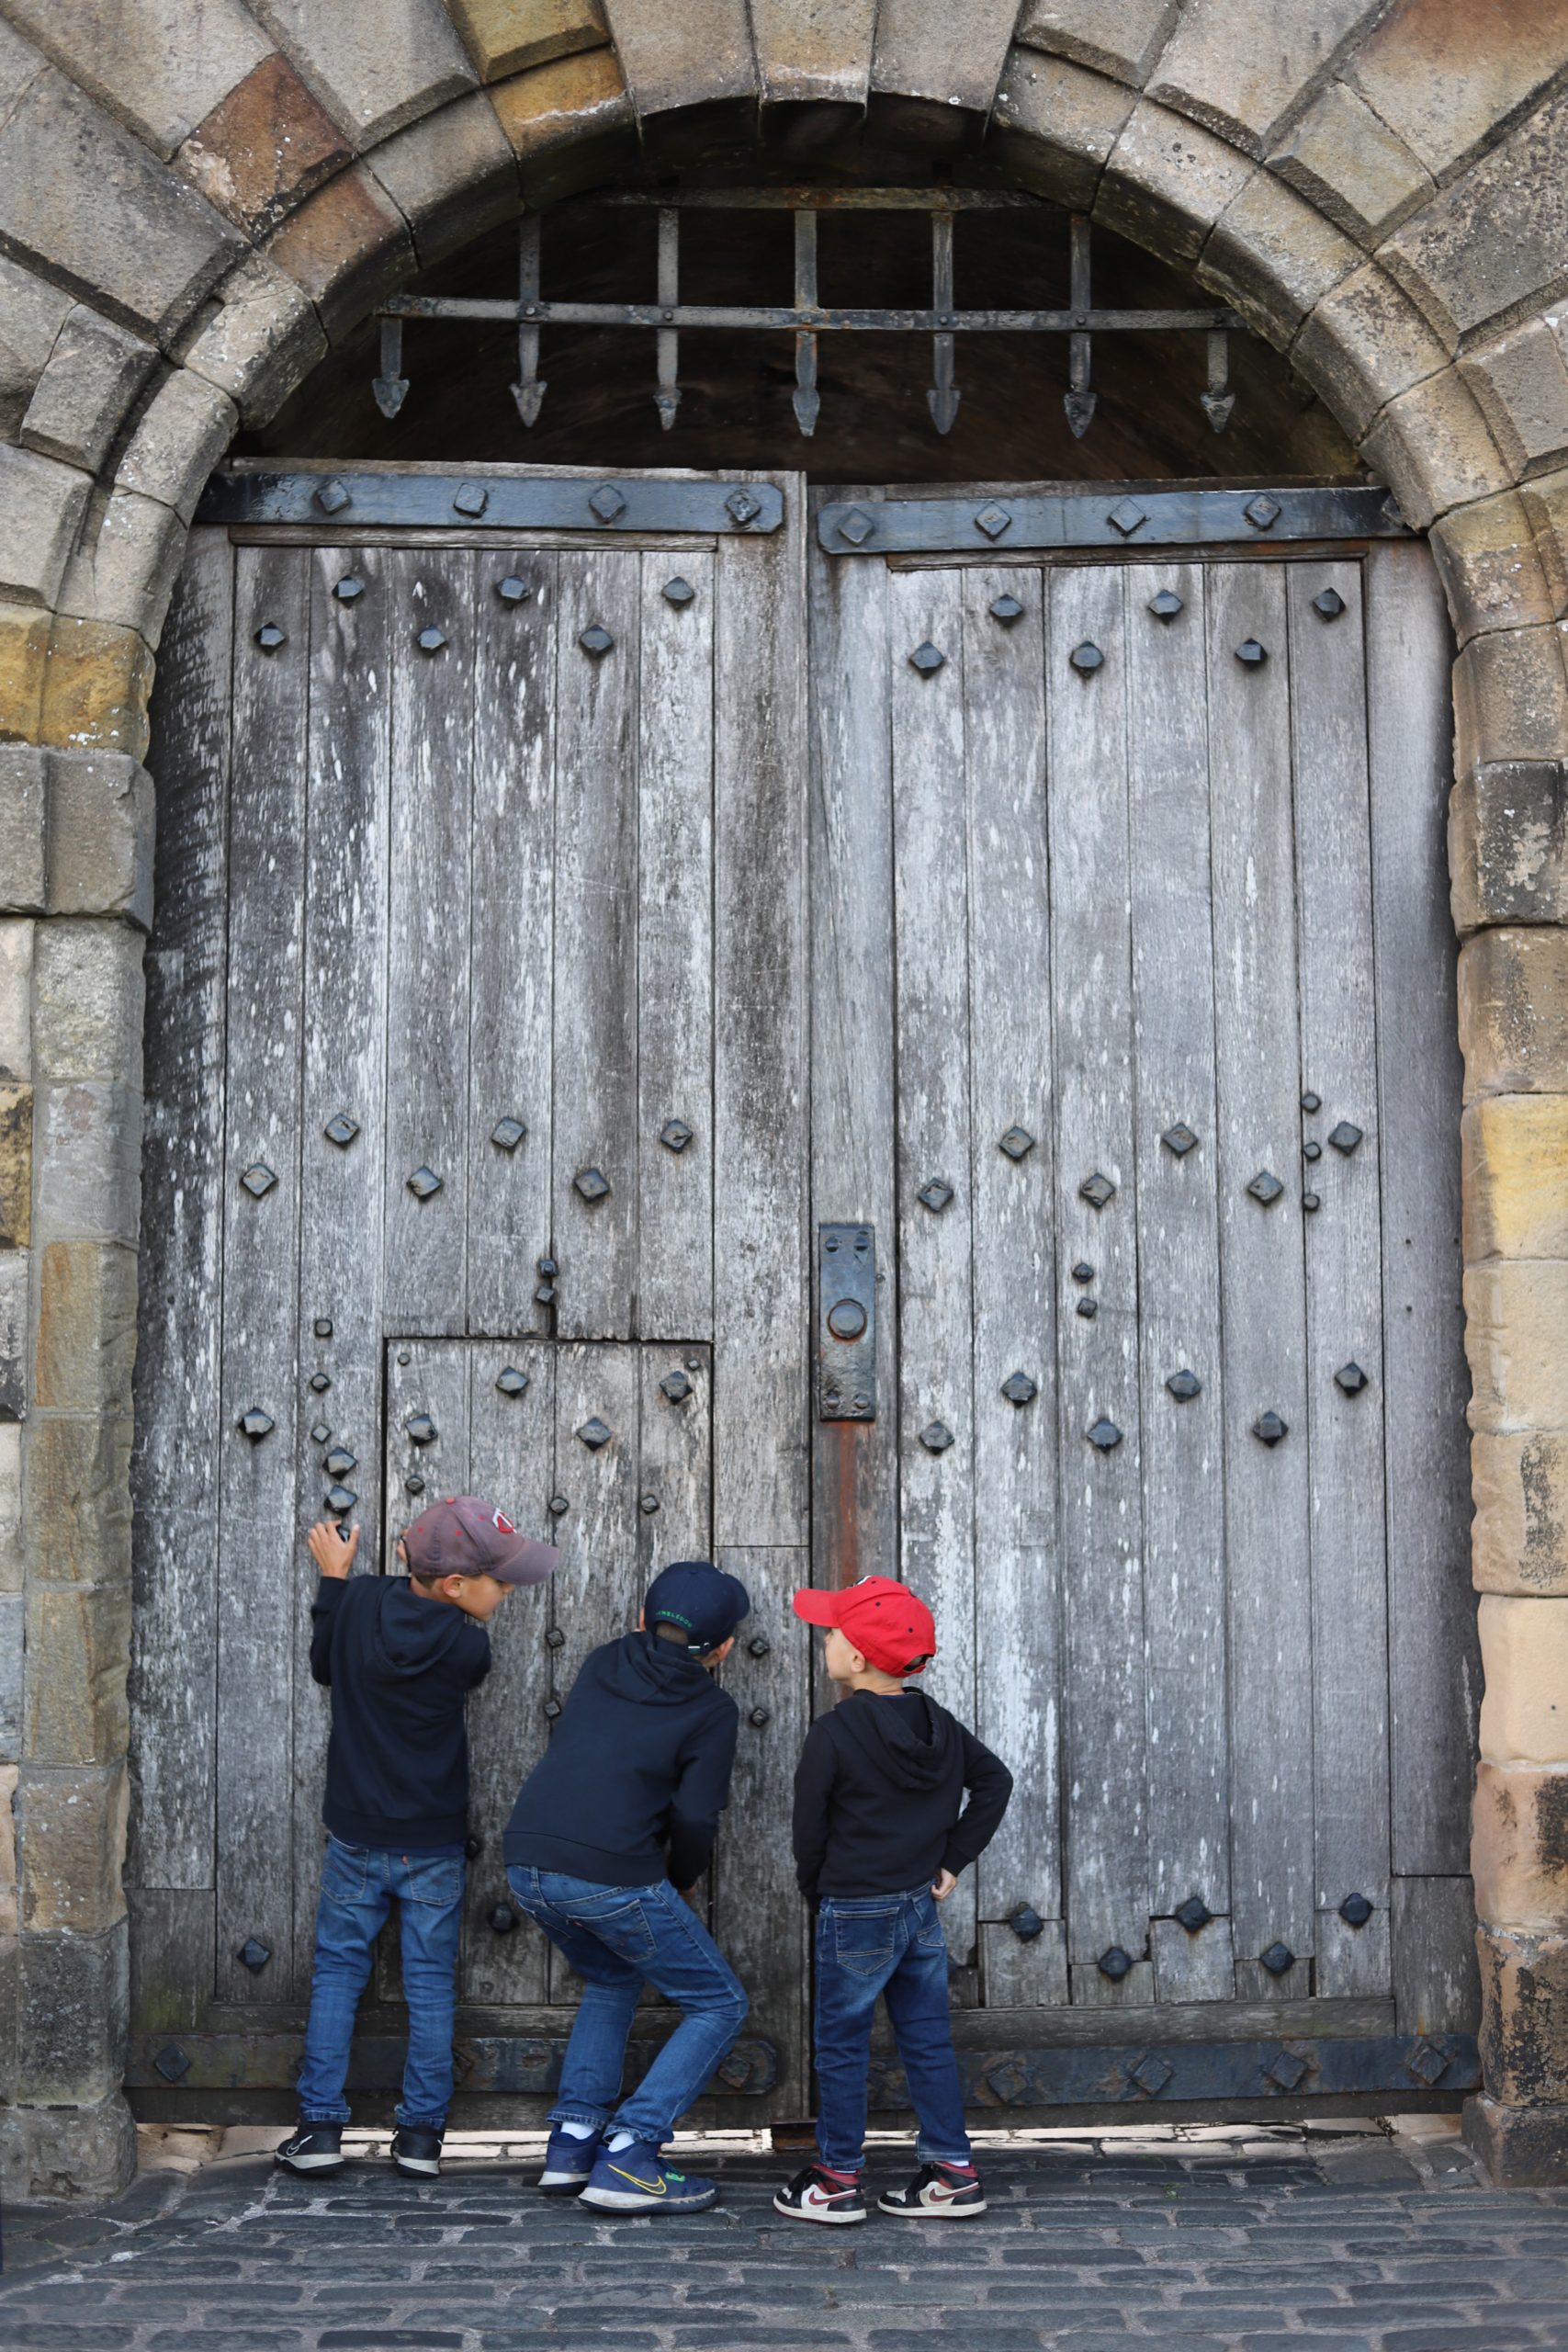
[(575, 2131), (619, 2139)]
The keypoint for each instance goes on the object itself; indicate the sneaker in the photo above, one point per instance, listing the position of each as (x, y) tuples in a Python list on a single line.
[(417, 2151), (314, 2147), (568, 2161), (638, 2180), (936, 2195), (815, 2195)]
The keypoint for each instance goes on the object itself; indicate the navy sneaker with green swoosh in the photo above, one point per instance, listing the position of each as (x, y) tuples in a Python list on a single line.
[(638, 2180)]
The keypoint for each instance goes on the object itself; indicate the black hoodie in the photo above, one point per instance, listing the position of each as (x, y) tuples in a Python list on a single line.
[(631, 1786), (399, 1667), (879, 1796)]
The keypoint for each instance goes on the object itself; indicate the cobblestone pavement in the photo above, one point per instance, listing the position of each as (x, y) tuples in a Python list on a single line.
[(1233, 2242)]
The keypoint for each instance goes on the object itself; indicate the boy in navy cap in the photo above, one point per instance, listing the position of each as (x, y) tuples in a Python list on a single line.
[(609, 1831), (400, 1656)]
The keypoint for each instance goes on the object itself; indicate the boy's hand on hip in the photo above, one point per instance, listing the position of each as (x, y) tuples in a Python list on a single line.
[(944, 1884), (332, 1554)]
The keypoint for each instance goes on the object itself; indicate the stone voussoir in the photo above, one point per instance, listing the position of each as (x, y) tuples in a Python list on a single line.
[(1432, 446), (1358, 173), (1168, 181), (1545, 501), (1120, 38), (452, 175), (1511, 698), (263, 336), (41, 507), (148, 64), (24, 830), (95, 370), (124, 567), (377, 68), (1055, 124), (180, 434), (264, 148), (1524, 1653), (1495, 241), (1242, 66), (1520, 383), (1487, 555), (1273, 257), (346, 248), (508, 36), (568, 122), (1363, 344)]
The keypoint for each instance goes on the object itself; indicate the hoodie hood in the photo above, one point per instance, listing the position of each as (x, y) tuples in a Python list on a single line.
[(911, 1739), (652, 1672), (411, 1635)]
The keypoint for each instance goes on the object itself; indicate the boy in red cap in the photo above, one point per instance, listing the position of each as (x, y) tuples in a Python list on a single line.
[(400, 1656), (881, 1833)]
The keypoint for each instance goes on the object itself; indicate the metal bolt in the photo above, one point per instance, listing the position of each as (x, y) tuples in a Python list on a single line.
[(1265, 1187), (926, 659), (993, 520), (1019, 1389), (1355, 1910), (504, 1918), (320, 1383), (511, 1382), (431, 640), (552, 1709), (759, 1717), (1086, 659), (693, 1363), (936, 1437), (1184, 1385), (413, 1484), (404, 1356), (173, 2063), (1083, 1271), (676, 1386), (597, 639), (555, 1639), (1114, 1963), (1089, 1308), (1250, 653), (471, 498), (1351, 1378), (512, 591), (548, 1267), (678, 590), (269, 637), (1178, 1139), (508, 1133), (349, 590), (742, 505), (424, 1184), (759, 1645), (1095, 1189), (676, 1134), (254, 1955), (934, 1194), (1329, 603), (1312, 1151), (1025, 1922), (1344, 1136), (1310, 1201), (1104, 1434), (256, 1424), (1261, 511), (1006, 609), (1286, 2070), (320, 1433), (1269, 1427), (594, 1433), (340, 1499), (591, 1184), (340, 1462), (1017, 1143), (1166, 606), (323, 1327), (1125, 516), (648, 1505), (422, 1429), (1278, 1958), (1192, 1915), (607, 503), (1312, 1101), (341, 1130), (258, 1179), (332, 497)]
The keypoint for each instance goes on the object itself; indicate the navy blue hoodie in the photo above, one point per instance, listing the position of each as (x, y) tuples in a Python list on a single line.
[(631, 1786), (400, 1668)]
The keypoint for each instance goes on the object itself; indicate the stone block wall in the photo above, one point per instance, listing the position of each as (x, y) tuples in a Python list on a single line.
[(196, 197)]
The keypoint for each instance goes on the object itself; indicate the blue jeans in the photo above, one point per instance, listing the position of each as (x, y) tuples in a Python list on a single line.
[(358, 1884), (617, 1937), (890, 1944)]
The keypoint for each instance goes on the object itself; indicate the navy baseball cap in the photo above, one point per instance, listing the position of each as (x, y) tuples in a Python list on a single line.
[(704, 1599)]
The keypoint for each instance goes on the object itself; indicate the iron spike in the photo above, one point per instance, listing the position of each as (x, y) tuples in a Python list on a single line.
[(806, 400), (528, 392), (1219, 399), (667, 399), (390, 387), (1079, 401), (944, 395)]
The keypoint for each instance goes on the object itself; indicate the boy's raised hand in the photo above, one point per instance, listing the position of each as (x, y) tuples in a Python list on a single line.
[(333, 1555), (944, 1884)]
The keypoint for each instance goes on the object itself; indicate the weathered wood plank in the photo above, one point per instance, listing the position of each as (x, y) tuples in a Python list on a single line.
[(675, 945), (594, 1069), (511, 979), (1178, 1279), (1437, 1977), (342, 1187), (427, 996), (1012, 1248), (1103, 1706), (761, 1279), (175, 1466), (1344, 1326), (1433, 1669), (674, 1461), (854, 1525), (172, 1959), (1046, 2029), (264, 1583), (1262, 1304)]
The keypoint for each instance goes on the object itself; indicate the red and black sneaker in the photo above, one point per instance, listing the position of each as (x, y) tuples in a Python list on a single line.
[(937, 2193), (817, 2195)]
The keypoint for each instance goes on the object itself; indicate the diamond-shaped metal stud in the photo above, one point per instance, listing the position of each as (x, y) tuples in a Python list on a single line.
[(508, 1133), (340, 1498), (319, 1384), (993, 520), (1089, 1308), (254, 1955), (431, 640), (1184, 1385), (926, 659), (1114, 1963), (1266, 1186), (1329, 603), (1151, 2073), (1344, 1136), (1351, 1378), (257, 1424), (1086, 659), (607, 503), (1008, 2084), (1126, 516), (423, 1183), (173, 2063), (1355, 1910), (1250, 653), (511, 1382), (1017, 1143), (676, 1386), (1278, 1958), (1311, 1102), (471, 498), (1104, 1434), (349, 589), (1192, 1915), (422, 1429), (1019, 1389), (1178, 1139), (341, 1130), (1269, 1427), (558, 1505), (742, 506), (934, 1194), (413, 1484), (678, 590), (340, 1462), (590, 1184), (1095, 1189), (856, 527), (597, 639), (512, 591), (647, 1505), (936, 1437), (1261, 511), (552, 1705), (1006, 609), (1166, 606), (1025, 1922), (1426, 2063), (258, 1179), (502, 1918), (594, 1433), (1285, 2070), (332, 497), (544, 1296), (320, 1433), (1083, 1271), (676, 1134)]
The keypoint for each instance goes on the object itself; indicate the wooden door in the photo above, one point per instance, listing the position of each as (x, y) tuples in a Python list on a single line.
[(477, 1042), (1134, 1042)]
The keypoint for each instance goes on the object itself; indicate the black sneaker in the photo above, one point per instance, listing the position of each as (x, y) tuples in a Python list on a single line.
[(815, 2195), (417, 2152), (314, 2147), (936, 2195)]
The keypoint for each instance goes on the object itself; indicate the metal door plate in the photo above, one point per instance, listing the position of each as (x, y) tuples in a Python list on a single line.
[(846, 1322)]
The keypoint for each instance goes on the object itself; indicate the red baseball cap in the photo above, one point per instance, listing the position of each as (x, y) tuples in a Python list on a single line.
[(889, 1625), (462, 1536)]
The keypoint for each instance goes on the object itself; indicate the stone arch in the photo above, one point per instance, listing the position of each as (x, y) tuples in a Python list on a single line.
[(185, 229)]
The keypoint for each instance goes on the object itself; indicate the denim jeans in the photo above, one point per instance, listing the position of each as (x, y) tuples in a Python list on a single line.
[(617, 1937), (890, 1944), (358, 1884)]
